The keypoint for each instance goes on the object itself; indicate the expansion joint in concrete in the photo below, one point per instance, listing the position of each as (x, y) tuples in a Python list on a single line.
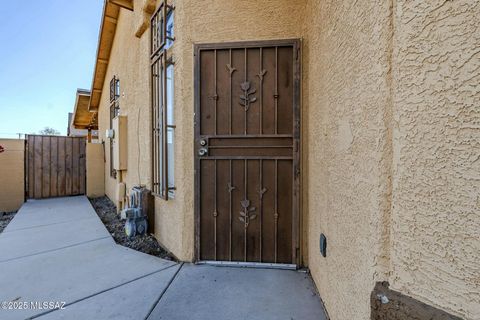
[(163, 292), (109, 289)]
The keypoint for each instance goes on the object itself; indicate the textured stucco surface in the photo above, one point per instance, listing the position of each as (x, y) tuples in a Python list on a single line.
[(95, 170), (390, 135), (346, 118), (129, 61), (227, 21), (436, 202), (12, 187)]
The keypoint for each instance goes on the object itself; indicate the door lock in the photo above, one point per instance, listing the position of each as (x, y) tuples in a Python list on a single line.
[(203, 142), (202, 151)]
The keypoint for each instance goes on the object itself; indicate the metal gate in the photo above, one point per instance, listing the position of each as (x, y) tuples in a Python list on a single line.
[(247, 134), (55, 166)]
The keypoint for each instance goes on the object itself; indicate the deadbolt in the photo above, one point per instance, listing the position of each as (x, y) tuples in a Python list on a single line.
[(202, 151), (203, 142)]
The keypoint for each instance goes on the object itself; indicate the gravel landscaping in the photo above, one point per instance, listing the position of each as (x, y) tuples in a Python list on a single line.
[(5, 218), (107, 212)]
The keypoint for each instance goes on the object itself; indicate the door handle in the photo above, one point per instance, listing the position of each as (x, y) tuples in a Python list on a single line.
[(202, 152)]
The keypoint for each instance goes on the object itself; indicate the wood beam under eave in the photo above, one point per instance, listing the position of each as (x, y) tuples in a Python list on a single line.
[(126, 4), (111, 19), (148, 10)]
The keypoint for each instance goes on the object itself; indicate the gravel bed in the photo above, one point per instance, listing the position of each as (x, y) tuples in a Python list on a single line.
[(107, 212), (5, 218)]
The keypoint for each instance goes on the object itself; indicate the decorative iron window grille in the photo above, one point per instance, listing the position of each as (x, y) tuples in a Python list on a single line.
[(114, 111), (161, 31), (114, 89), (163, 125)]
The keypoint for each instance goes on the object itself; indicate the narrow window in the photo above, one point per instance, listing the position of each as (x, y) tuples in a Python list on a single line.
[(163, 122), (114, 111)]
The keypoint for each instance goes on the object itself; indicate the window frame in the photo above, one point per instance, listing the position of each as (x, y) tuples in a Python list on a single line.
[(160, 16), (160, 61)]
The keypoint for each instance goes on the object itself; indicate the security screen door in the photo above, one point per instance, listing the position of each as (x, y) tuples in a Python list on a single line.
[(247, 130)]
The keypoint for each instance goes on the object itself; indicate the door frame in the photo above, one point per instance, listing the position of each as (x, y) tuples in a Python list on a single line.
[(296, 131)]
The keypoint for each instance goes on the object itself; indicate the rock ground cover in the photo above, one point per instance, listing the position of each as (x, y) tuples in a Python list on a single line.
[(5, 218), (107, 212)]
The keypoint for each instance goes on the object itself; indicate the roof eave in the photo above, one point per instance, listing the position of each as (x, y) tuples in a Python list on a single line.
[(111, 10)]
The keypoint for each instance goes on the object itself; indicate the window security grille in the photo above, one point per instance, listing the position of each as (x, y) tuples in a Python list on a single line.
[(163, 127)]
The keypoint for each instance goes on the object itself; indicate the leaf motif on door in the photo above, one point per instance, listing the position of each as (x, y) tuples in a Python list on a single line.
[(246, 99), (247, 214)]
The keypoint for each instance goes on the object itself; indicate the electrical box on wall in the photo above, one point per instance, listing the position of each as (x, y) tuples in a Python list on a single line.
[(120, 143)]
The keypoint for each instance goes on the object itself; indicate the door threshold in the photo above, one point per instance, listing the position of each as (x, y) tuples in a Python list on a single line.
[(257, 265)]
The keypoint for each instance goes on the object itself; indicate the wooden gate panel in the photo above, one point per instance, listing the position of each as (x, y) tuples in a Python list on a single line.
[(30, 172), (37, 167), (55, 166), (75, 167), (45, 165), (82, 167), (61, 167), (247, 152), (68, 166)]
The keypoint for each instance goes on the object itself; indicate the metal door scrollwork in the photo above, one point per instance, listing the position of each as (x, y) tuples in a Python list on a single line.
[(247, 152), (245, 98), (247, 214)]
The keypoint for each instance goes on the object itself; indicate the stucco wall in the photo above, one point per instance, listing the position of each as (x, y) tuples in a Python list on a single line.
[(12, 187), (389, 94), (95, 170), (239, 20), (436, 202), (130, 62), (347, 114)]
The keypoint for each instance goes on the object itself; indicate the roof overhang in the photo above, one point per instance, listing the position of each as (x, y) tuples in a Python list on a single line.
[(82, 117), (111, 10), (126, 4)]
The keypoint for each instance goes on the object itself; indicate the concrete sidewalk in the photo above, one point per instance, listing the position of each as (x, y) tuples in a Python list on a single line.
[(58, 250)]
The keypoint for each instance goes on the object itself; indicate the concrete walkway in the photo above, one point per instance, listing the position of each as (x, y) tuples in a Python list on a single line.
[(58, 251)]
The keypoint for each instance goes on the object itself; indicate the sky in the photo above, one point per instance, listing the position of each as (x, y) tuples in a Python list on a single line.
[(47, 51)]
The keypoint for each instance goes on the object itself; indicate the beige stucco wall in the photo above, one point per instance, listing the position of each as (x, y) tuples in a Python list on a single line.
[(436, 186), (130, 62), (227, 21), (12, 185), (347, 114), (95, 170), (389, 132)]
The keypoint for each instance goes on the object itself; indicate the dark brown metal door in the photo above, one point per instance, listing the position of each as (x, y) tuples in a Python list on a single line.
[(55, 166), (247, 130)]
